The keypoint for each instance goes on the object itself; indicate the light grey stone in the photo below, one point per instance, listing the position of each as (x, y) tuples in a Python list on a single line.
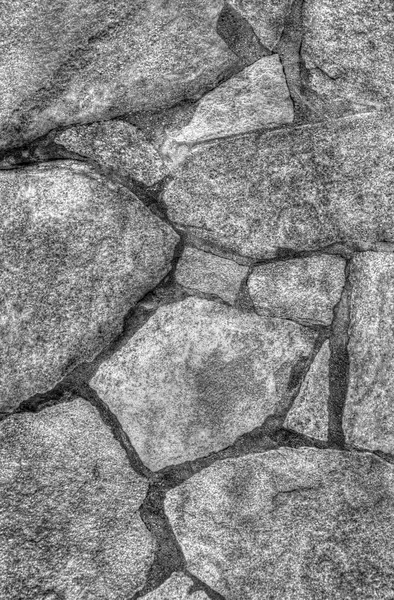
[(198, 270), (290, 524), (118, 145), (369, 409), (77, 253), (177, 587), (301, 188), (197, 375), (309, 413), (69, 521), (303, 289)]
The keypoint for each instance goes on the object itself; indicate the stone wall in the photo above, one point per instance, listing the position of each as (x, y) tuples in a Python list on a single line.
[(197, 296)]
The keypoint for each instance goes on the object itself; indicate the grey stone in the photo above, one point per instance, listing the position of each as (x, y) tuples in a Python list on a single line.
[(309, 413), (77, 253), (300, 188), (177, 587), (198, 270), (118, 145), (304, 289), (369, 409), (66, 62), (293, 524), (197, 375), (69, 521)]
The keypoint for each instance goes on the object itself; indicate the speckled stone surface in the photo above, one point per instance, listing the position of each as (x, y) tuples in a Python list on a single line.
[(177, 587), (294, 524), (267, 18), (198, 375), (69, 522), (77, 253)]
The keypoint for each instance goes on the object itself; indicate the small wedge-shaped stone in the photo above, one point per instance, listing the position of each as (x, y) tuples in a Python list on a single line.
[(369, 409), (304, 289), (267, 18), (76, 254), (293, 524), (177, 587), (301, 188), (198, 375), (69, 521)]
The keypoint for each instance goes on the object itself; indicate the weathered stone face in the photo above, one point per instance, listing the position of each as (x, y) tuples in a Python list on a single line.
[(69, 522), (267, 18), (77, 254), (198, 375), (290, 524), (177, 587)]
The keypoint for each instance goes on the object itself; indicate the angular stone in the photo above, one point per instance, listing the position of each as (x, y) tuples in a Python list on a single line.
[(294, 524), (198, 375), (309, 413), (118, 145), (69, 521), (177, 587), (66, 62), (304, 289), (267, 18), (369, 410), (210, 274), (77, 253), (348, 49), (301, 188)]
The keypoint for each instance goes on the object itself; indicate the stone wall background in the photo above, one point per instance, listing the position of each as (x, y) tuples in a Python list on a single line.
[(197, 294)]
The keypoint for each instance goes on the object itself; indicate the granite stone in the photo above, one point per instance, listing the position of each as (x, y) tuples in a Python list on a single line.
[(177, 587)]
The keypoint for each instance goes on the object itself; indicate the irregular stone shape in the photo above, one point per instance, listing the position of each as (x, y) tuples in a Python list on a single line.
[(210, 274), (257, 97), (309, 414), (301, 188), (369, 410), (294, 524), (118, 145), (198, 375), (77, 254), (348, 49), (68, 61), (69, 521), (267, 18), (177, 587), (304, 289)]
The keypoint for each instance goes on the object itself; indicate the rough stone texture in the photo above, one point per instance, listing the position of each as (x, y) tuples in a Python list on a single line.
[(210, 274), (294, 524), (369, 409), (267, 18), (177, 587), (66, 62), (304, 289), (300, 188), (309, 413), (76, 254), (257, 97), (118, 145), (348, 49), (198, 375), (69, 522)]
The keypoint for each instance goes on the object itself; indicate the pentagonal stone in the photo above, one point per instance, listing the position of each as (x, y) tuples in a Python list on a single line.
[(177, 587), (76, 254), (69, 521), (294, 524), (198, 375)]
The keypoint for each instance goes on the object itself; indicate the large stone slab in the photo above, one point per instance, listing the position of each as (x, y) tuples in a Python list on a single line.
[(65, 62), (177, 587), (294, 524), (198, 375), (76, 254), (300, 188), (69, 521), (369, 409)]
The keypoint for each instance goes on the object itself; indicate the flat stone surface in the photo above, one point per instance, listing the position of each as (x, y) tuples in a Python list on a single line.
[(204, 272), (118, 145), (369, 410), (304, 289), (267, 18), (293, 524), (77, 253), (74, 61), (348, 50), (198, 375), (177, 587), (309, 414), (69, 521), (301, 188)]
